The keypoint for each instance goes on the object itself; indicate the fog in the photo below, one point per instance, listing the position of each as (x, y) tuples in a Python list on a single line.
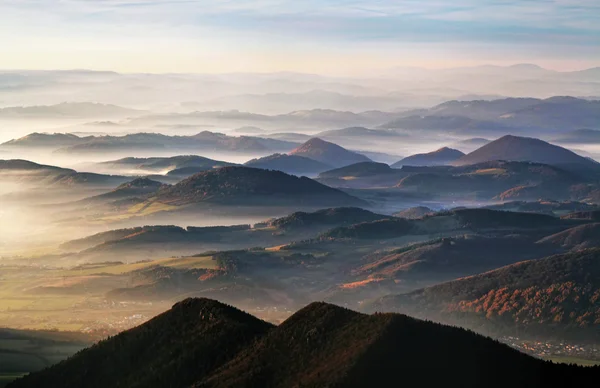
[(120, 242)]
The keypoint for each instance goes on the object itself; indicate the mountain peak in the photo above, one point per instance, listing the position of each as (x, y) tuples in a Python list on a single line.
[(442, 156), (328, 153), (524, 149)]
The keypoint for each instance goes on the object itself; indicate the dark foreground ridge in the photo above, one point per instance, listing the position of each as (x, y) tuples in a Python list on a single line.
[(203, 343)]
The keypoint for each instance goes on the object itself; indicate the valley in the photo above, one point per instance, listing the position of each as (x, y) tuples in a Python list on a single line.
[(197, 243)]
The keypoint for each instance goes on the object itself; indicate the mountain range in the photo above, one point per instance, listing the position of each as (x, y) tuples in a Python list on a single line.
[(203, 343), (510, 115), (160, 165), (68, 110)]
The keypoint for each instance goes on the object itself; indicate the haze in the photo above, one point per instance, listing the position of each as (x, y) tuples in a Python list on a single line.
[(430, 158)]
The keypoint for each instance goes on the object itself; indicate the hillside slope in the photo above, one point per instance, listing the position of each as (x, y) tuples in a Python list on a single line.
[(244, 185), (203, 343), (525, 149), (174, 349), (552, 297)]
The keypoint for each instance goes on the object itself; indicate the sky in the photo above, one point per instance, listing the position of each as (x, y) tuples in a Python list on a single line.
[(319, 36)]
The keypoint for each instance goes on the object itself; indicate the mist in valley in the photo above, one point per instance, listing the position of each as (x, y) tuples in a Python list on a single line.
[(289, 157)]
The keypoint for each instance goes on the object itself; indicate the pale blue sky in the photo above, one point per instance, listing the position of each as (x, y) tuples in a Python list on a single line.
[(301, 35)]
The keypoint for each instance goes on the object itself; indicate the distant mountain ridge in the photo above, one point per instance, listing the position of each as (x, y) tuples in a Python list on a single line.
[(151, 141), (509, 115), (68, 109)]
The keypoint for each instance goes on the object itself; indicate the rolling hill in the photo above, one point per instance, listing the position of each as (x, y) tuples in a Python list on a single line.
[(328, 153), (496, 179), (441, 157), (525, 149), (553, 297), (326, 217), (290, 164), (158, 165), (207, 141), (245, 185), (203, 343)]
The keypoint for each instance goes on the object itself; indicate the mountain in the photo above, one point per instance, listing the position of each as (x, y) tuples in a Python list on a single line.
[(328, 153), (209, 141), (326, 217), (464, 220), (203, 343), (443, 156), (176, 348), (553, 297), (68, 110), (580, 136), (498, 179), (525, 149), (245, 185), (290, 164)]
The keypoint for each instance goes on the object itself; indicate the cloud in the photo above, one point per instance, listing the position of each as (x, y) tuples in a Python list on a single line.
[(546, 27)]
